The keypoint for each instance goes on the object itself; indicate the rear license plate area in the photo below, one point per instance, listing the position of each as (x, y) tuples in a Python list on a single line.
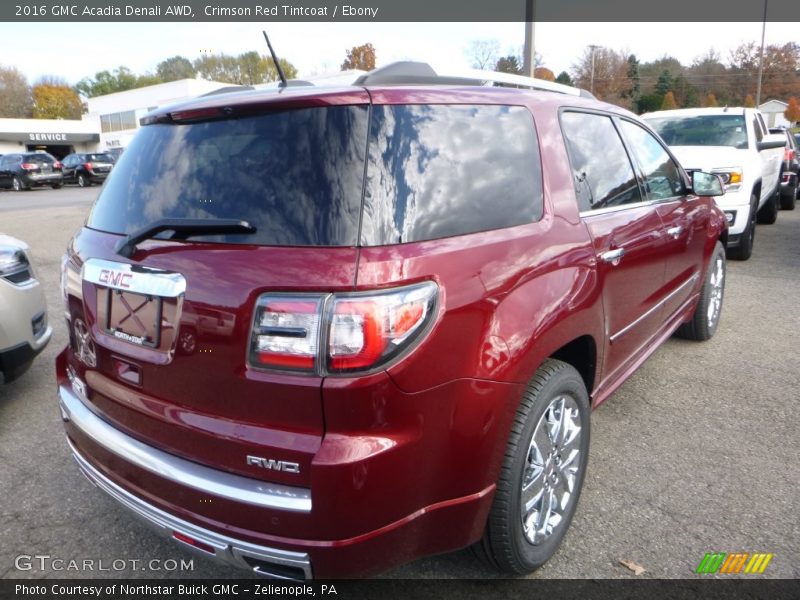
[(131, 317)]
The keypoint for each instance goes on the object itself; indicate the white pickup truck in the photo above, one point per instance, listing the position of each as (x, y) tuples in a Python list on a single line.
[(736, 144)]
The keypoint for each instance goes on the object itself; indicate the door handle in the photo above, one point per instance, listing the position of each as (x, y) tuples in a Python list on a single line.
[(675, 231), (613, 256)]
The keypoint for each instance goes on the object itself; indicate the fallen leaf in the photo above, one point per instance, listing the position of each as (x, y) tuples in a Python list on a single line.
[(637, 569)]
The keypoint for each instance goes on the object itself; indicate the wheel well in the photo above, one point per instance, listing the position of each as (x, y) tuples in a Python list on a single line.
[(723, 238), (581, 353), (757, 191)]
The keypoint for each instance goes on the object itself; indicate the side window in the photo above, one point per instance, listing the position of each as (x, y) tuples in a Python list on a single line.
[(661, 175), (436, 171), (602, 171), (757, 128)]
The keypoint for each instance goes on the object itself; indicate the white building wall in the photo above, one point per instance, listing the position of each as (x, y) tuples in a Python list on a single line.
[(773, 113), (25, 132)]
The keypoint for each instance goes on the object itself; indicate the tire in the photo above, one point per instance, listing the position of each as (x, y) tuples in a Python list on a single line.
[(769, 212), (56, 186), (788, 199), (82, 181), (518, 541), (745, 248), (705, 318), (17, 185)]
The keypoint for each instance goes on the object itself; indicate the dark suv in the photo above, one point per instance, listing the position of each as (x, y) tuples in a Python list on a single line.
[(322, 332), (30, 169), (87, 168), (790, 170)]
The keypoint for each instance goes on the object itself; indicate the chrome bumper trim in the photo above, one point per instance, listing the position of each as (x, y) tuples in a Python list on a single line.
[(226, 549), (181, 471)]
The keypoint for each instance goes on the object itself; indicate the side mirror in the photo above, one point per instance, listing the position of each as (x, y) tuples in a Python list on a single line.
[(707, 184), (770, 141)]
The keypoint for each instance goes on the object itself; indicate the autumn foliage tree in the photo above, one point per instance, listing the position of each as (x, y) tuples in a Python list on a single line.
[(710, 100), (669, 101), (55, 99), (749, 102), (792, 112), (360, 57), (15, 94)]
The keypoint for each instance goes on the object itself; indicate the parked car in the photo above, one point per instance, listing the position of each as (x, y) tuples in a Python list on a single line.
[(30, 169), (401, 304), (24, 331), (790, 169), (87, 168), (734, 143)]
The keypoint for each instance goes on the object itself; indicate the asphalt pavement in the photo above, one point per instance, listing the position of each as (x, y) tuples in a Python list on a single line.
[(697, 452)]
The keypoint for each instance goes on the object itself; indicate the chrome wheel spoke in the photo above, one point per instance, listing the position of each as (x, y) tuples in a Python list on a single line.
[(551, 469)]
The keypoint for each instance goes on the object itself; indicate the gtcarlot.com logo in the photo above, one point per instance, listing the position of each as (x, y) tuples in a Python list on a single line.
[(737, 562), (46, 562)]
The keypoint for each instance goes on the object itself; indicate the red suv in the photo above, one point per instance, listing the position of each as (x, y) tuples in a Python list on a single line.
[(322, 332)]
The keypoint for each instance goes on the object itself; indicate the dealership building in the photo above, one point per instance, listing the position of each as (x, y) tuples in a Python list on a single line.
[(111, 120)]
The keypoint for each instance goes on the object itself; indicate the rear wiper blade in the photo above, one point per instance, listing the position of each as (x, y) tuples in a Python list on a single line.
[(182, 229)]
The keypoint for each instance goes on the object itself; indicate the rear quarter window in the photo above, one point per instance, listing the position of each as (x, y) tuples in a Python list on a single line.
[(436, 171)]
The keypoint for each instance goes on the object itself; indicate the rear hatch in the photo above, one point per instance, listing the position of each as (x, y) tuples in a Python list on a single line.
[(172, 315), (101, 164)]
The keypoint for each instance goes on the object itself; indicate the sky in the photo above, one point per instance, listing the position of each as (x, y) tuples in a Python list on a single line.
[(73, 51)]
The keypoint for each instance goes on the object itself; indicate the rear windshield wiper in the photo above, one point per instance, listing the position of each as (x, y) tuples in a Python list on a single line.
[(182, 229)]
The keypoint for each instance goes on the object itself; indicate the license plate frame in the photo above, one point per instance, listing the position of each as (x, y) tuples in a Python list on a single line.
[(130, 304)]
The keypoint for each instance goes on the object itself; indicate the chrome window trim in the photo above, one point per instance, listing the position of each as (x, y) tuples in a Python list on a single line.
[(178, 470)]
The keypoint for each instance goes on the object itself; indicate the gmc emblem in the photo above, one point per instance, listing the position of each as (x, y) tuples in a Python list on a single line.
[(115, 278), (273, 465)]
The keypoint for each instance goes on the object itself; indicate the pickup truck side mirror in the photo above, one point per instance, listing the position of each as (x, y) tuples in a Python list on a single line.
[(707, 184), (770, 141)]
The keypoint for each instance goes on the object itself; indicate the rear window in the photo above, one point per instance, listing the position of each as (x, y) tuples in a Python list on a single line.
[(702, 130), (99, 158), (39, 158), (442, 170), (295, 175)]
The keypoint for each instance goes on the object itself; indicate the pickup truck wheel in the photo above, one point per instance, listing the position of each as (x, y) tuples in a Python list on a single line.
[(769, 212), (705, 318), (542, 473), (745, 248)]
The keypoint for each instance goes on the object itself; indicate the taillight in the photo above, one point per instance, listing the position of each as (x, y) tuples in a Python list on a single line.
[(286, 332), (57, 164), (366, 331), (29, 166), (362, 330), (88, 166)]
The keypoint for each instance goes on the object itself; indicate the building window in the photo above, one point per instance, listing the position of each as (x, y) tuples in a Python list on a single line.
[(118, 121)]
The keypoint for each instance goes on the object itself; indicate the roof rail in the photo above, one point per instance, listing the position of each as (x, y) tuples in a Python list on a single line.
[(420, 73)]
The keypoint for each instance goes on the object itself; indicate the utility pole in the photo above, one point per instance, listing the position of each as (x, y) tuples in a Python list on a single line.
[(529, 52), (761, 56), (593, 48)]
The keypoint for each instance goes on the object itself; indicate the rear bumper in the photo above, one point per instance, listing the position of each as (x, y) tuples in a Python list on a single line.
[(250, 530)]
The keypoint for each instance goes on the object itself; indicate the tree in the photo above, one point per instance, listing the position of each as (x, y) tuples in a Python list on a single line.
[(792, 112), (669, 101), (564, 78), (710, 100), (544, 73), (508, 64), (245, 69), (175, 68), (749, 102), (106, 82), (664, 83), (15, 94), (605, 74), (633, 75), (483, 53), (55, 99), (360, 57)]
